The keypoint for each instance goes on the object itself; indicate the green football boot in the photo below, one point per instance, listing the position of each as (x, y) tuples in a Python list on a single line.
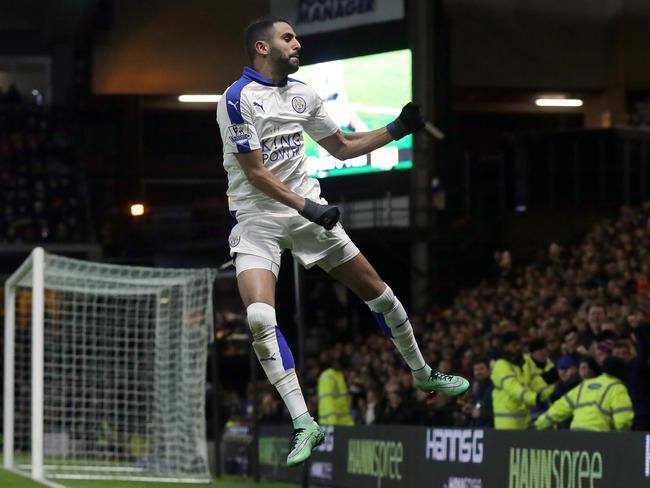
[(302, 442), (447, 384)]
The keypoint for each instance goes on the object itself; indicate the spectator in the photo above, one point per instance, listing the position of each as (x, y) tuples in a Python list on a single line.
[(478, 409), (438, 410), (570, 343), (540, 367), (597, 404), (374, 408), (604, 345), (515, 391), (333, 401), (637, 378), (567, 370), (596, 316), (398, 410), (569, 378), (588, 368)]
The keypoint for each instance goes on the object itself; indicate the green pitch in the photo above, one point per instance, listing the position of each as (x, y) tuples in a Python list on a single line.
[(10, 480)]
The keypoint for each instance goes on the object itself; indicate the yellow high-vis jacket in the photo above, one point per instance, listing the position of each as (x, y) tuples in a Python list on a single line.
[(333, 403), (597, 404), (513, 396), (539, 383)]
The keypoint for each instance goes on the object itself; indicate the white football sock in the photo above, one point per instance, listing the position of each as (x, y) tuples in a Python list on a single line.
[(275, 356), (392, 318)]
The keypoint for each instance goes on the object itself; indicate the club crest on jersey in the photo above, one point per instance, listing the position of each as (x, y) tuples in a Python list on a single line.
[(239, 133), (234, 239), (299, 104)]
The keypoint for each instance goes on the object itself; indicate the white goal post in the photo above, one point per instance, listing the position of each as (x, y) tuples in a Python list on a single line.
[(105, 370)]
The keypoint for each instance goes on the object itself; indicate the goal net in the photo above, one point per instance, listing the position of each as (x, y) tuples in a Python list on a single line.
[(104, 373)]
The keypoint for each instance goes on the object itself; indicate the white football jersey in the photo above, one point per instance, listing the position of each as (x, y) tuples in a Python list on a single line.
[(254, 113)]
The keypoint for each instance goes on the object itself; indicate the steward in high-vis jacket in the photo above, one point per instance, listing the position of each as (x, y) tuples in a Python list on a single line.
[(597, 404), (515, 392), (333, 402), (539, 365)]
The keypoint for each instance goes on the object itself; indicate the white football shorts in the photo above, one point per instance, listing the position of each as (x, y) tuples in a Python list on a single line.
[(266, 235)]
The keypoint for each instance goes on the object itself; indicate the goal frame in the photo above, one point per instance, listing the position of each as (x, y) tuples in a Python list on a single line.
[(34, 265)]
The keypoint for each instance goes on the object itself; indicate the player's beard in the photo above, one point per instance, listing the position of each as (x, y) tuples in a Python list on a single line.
[(283, 63)]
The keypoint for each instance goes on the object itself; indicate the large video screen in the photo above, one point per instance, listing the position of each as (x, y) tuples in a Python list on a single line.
[(361, 94)]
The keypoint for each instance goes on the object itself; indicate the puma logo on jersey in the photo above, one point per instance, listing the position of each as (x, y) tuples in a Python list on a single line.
[(234, 104), (256, 104), (270, 358)]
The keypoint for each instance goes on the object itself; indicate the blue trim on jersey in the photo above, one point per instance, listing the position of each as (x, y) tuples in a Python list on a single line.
[(233, 105), (233, 217), (251, 74)]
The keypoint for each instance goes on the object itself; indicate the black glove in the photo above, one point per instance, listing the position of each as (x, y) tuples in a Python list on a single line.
[(325, 215), (408, 122)]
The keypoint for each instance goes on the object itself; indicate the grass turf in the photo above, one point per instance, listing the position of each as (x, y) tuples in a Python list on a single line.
[(11, 480)]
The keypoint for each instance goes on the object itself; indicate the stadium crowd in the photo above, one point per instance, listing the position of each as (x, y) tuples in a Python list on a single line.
[(574, 322), (40, 183)]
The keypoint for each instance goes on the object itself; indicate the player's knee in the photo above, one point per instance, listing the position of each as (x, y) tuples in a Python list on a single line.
[(261, 320), (384, 303), (388, 310)]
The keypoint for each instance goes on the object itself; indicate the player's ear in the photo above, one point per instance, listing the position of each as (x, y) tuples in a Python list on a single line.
[(262, 47)]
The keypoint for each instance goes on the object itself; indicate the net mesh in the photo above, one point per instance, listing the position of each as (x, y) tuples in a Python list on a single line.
[(125, 351)]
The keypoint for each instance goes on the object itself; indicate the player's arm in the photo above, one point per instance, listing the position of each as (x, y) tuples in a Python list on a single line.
[(265, 181), (347, 145), (344, 145), (240, 138)]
